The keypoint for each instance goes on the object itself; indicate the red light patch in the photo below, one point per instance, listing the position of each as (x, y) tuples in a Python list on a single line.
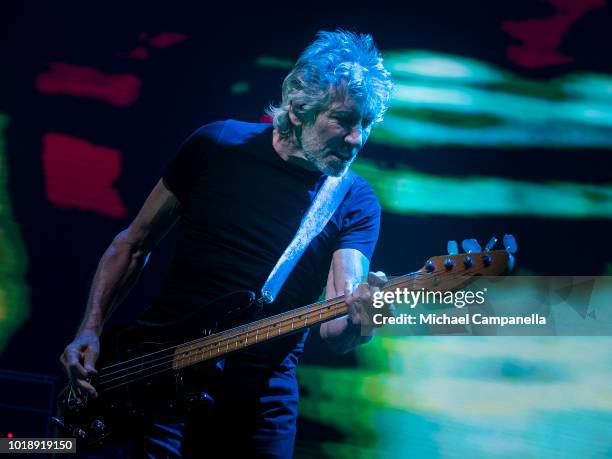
[(79, 174), (541, 37), (88, 82), (166, 39)]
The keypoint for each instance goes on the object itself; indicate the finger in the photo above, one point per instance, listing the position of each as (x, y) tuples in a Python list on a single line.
[(373, 291), (377, 278), (353, 300), (74, 367), (363, 292), (86, 388), (381, 275)]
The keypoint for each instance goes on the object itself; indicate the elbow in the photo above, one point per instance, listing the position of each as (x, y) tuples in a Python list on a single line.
[(131, 246)]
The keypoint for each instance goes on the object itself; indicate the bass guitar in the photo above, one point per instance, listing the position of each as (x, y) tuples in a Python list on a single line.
[(143, 360)]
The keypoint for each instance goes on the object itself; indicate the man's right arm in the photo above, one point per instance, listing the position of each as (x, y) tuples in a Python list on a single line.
[(117, 271)]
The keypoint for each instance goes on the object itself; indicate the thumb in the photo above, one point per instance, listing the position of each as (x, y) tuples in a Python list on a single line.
[(377, 279)]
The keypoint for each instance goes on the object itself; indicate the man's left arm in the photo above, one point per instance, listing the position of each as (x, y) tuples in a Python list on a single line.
[(349, 275)]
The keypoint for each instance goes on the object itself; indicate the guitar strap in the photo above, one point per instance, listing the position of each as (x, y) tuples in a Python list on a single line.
[(324, 205)]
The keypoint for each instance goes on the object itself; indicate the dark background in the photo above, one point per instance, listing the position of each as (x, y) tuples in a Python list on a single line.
[(188, 84)]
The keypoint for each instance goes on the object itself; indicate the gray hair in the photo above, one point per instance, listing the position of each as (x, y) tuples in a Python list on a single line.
[(335, 64)]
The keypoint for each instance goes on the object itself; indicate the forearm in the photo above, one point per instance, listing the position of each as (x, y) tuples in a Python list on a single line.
[(347, 268), (117, 271)]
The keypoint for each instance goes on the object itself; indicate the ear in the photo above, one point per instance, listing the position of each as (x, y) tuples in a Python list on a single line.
[(292, 116)]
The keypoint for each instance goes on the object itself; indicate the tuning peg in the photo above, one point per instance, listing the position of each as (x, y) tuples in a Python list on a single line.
[(510, 243), (471, 246), (452, 248), (510, 262), (468, 261), (490, 244)]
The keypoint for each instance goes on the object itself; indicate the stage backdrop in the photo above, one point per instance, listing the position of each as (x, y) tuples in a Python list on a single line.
[(501, 122)]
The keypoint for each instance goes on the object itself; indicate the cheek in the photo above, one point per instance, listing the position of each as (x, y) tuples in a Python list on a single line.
[(333, 136)]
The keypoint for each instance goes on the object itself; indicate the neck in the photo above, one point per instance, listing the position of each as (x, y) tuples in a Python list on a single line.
[(289, 150)]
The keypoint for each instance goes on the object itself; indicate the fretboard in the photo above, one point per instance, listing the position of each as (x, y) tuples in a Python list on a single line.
[(222, 343)]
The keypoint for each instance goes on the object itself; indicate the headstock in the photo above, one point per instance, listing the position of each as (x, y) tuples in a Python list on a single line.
[(454, 270)]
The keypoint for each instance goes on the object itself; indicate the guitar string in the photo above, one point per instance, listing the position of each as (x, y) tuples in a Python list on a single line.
[(143, 373), (218, 335), (232, 335), (240, 331), (161, 367), (394, 282), (391, 283)]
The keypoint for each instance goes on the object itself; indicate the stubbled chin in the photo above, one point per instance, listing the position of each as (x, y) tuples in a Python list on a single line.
[(334, 167)]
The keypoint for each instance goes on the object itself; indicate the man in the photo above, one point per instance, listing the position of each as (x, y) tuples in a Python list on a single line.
[(239, 191)]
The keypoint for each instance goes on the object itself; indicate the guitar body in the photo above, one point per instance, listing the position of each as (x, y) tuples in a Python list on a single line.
[(136, 375)]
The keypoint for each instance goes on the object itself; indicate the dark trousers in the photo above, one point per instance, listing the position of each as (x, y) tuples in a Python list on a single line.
[(255, 414)]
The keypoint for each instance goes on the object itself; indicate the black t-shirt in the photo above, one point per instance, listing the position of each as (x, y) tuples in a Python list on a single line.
[(241, 206)]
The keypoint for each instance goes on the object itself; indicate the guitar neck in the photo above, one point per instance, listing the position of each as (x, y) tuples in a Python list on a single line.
[(286, 323), (442, 273), (222, 343), (437, 275)]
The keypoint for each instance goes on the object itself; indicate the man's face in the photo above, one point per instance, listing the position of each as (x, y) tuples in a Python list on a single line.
[(332, 142)]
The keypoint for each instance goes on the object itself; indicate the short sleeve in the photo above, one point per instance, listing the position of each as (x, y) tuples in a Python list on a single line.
[(360, 219), (184, 168)]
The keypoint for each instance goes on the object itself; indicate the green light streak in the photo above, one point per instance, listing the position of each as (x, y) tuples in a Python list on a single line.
[(404, 132), (274, 62), (502, 106), (240, 87), (446, 397), (590, 86), (405, 192), (14, 291), (458, 94), (415, 64)]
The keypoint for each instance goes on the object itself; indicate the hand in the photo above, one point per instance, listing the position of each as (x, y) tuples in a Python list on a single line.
[(359, 302), (79, 359)]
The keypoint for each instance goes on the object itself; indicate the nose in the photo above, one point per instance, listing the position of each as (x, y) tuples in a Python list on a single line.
[(355, 136)]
